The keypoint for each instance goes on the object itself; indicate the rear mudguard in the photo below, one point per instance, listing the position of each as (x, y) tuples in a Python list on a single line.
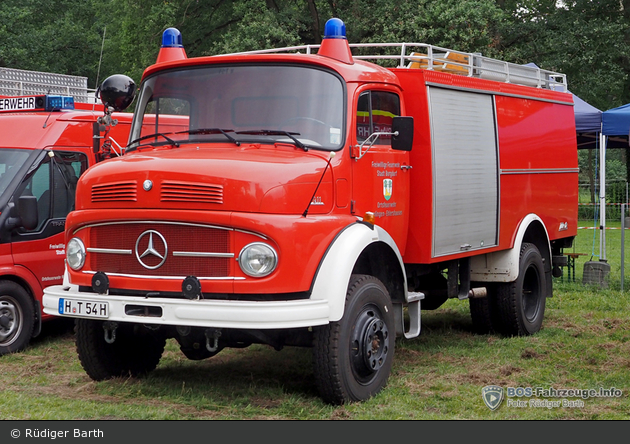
[(503, 266)]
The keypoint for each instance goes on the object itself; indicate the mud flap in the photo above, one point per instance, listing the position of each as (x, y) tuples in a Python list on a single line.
[(37, 326)]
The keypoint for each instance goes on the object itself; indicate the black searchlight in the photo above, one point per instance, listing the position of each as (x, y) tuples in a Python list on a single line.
[(191, 287), (100, 283)]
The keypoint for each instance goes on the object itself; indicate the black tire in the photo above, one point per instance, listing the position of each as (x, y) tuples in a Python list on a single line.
[(17, 317), (353, 357), (135, 352), (521, 304), (483, 311), (481, 316)]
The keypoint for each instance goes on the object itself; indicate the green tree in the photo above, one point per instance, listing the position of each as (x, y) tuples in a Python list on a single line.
[(53, 36), (259, 25), (464, 25), (584, 39)]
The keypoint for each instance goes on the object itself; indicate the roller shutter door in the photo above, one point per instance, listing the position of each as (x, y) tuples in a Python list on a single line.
[(465, 171)]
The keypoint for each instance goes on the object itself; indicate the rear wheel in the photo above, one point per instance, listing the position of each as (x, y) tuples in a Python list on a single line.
[(353, 357), (134, 351), (483, 311), (17, 317), (521, 304)]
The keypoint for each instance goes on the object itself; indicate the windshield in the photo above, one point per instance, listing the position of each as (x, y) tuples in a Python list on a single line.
[(11, 160), (303, 106)]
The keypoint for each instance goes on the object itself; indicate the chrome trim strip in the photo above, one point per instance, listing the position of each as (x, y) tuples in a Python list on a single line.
[(540, 171), (139, 276), (201, 254), (108, 251), (252, 233)]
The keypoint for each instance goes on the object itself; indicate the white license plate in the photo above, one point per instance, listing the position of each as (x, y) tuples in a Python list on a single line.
[(74, 307)]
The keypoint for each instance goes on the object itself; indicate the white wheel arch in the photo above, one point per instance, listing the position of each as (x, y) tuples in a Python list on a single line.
[(503, 266), (333, 275)]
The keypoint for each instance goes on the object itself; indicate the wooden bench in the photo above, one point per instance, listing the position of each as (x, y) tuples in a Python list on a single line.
[(571, 257)]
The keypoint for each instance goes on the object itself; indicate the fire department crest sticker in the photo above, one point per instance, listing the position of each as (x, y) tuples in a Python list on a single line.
[(387, 188), (492, 396)]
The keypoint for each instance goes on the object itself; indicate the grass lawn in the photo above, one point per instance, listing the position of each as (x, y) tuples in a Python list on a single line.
[(589, 243)]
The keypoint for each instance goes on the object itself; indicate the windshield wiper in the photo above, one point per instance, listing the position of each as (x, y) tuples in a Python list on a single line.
[(212, 131), (171, 141), (277, 133)]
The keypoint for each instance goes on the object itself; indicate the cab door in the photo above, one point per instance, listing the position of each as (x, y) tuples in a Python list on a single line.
[(42, 249), (380, 174)]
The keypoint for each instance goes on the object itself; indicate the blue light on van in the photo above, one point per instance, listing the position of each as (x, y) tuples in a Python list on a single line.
[(54, 103)]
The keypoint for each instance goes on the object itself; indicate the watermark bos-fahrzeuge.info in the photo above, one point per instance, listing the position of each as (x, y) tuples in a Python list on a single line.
[(543, 397)]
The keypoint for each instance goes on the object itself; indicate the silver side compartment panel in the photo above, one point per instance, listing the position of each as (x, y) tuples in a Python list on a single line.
[(465, 171)]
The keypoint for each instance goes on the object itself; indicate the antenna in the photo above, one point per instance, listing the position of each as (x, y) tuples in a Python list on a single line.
[(100, 59), (330, 157)]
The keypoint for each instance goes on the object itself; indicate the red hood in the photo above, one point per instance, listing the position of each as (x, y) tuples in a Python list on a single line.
[(251, 178)]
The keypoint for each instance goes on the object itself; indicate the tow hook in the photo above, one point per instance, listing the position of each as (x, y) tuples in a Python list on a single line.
[(214, 335), (110, 331)]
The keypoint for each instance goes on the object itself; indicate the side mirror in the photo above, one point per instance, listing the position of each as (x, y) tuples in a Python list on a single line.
[(27, 211), (23, 214), (404, 127), (117, 92)]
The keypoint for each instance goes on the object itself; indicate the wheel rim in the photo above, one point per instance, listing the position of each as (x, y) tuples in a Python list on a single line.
[(10, 320), (531, 293), (369, 344)]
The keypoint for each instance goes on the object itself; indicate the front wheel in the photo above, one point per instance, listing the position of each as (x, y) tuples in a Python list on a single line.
[(521, 304), (353, 356), (132, 350), (17, 317)]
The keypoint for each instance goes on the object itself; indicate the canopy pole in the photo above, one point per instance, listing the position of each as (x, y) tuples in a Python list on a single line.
[(602, 197), (623, 239)]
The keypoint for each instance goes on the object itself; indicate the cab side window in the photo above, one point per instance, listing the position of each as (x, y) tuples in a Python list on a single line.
[(375, 112), (54, 184), (39, 186)]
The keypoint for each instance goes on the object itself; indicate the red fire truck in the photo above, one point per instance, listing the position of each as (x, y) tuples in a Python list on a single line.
[(310, 197), (46, 143)]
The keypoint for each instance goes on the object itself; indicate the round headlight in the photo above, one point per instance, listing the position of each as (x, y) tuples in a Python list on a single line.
[(75, 253), (258, 259)]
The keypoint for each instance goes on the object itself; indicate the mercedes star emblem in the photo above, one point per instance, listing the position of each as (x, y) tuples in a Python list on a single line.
[(155, 251)]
